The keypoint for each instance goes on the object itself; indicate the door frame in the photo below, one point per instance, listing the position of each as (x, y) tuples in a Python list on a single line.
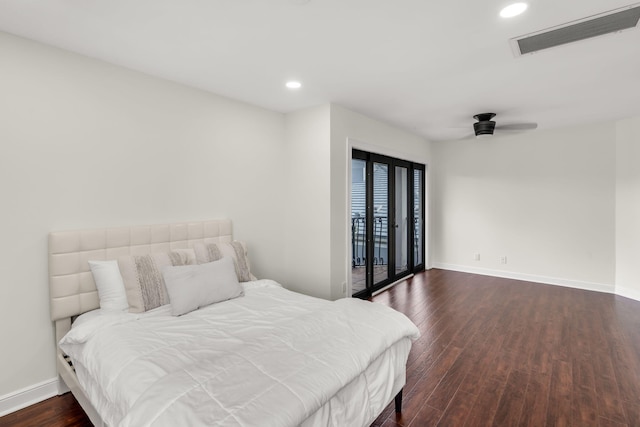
[(402, 159)]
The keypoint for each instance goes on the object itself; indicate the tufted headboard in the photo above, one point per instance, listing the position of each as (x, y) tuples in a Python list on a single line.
[(71, 286), (72, 289)]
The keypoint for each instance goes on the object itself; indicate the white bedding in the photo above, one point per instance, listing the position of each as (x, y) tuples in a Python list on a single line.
[(270, 358)]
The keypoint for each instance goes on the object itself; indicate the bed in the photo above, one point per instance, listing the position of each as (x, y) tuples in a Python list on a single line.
[(267, 356)]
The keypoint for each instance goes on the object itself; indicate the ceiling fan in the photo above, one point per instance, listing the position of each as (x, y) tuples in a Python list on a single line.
[(485, 126)]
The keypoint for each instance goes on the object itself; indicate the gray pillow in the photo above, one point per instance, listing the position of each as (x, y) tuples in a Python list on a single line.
[(143, 282), (193, 286), (235, 250)]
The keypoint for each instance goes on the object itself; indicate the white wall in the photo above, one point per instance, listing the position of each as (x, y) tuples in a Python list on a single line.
[(543, 199), (307, 243), (628, 208), (87, 144), (370, 135), (317, 155)]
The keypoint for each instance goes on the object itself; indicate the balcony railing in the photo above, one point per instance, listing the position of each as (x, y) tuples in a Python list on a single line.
[(380, 240), (359, 241)]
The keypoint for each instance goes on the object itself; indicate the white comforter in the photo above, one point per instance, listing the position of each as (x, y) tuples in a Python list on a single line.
[(270, 358)]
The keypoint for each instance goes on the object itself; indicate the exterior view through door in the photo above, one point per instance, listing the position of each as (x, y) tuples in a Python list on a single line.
[(387, 221)]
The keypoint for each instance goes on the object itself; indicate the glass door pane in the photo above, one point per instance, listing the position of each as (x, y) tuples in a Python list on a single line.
[(358, 225), (387, 221), (401, 219), (418, 217), (380, 222)]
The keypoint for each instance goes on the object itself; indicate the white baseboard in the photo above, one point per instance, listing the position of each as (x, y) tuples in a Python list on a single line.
[(28, 396), (628, 293), (589, 286)]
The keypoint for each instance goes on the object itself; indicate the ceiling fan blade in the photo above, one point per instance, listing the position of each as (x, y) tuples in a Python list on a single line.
[(518, 126)]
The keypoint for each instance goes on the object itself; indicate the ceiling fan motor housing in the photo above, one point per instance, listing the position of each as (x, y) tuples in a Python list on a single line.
[(484, 126)]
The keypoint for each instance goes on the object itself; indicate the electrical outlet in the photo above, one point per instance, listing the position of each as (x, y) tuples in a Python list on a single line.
[(476, 256), (503, 259), (344, 288)]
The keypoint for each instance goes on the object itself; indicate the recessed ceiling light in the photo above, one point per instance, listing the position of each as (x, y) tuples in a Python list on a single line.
[(512, 10), (294, 85)]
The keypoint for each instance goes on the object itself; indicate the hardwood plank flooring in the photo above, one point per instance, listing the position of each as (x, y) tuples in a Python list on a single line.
[(503, 352), (493, 352)]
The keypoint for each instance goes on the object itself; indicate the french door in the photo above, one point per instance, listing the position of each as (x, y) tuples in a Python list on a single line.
[(387, 220)]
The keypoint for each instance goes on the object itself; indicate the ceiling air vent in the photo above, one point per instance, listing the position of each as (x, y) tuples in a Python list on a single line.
[(593, 26)]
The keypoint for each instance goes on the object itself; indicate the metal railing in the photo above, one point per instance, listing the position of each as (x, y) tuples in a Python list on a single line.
[(359, 241), (380, 241)]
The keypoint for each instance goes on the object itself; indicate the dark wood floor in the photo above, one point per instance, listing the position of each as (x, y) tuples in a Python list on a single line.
[(493, 352), (509, 353)]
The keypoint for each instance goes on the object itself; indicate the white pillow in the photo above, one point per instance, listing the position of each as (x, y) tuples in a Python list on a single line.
[(193, 286), (86, 317), (110, 286)]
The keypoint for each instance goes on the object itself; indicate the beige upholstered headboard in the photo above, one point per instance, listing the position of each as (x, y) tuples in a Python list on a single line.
[(71, 286), (72, 289)]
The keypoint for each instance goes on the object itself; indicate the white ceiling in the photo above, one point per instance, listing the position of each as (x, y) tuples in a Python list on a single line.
[(421, 65)]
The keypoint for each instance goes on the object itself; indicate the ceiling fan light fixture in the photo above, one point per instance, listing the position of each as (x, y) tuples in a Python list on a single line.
[(484, 125), (484, 128)]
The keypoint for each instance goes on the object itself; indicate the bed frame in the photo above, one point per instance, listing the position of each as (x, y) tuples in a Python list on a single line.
[(73, 291), (71, 286)]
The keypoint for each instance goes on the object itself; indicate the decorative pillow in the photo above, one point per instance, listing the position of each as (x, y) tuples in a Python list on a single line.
[(190, 255), (110, 286), (143, 281), (193, 286), (236, 250)]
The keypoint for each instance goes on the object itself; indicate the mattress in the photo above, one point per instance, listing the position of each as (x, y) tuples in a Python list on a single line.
[(270, 358)]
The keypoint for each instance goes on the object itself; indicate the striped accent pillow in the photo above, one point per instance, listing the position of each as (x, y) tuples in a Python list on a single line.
[(210, 252), (143, 281)]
